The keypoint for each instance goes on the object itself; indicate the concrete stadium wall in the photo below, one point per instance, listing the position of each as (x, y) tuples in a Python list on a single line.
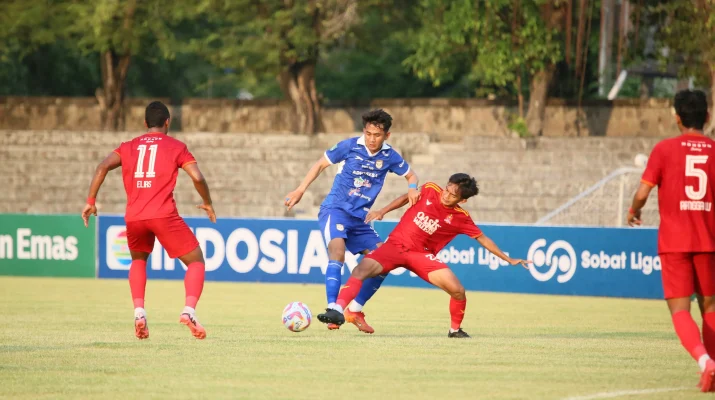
[(444, 119)]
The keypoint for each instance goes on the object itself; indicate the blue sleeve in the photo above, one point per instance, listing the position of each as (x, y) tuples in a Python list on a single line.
[(339, 152), (399, 166)]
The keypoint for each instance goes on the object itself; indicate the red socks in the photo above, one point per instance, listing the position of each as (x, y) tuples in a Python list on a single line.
[(137, 282), (349, 292), (456, 310), (194, 283), (689, 334), (709, 332)]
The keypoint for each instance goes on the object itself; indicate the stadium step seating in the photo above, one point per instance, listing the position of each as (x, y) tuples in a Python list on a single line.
[(521, 180)]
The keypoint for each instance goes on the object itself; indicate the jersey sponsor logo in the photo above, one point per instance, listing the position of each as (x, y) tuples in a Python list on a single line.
[(424, 222), (361, 182), (370, 174), (448, 219), (356, 193), (378, 164), (429, 203)]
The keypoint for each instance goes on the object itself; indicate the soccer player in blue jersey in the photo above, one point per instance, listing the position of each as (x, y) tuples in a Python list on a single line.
[(367, 160)]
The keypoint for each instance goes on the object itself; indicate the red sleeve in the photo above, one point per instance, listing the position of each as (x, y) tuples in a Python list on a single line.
[(471, 230), (654, 169), (468, 227), (185, 157), (118, 150)]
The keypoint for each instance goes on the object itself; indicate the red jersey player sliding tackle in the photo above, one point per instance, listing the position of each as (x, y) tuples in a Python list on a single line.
[(150, 164), (683, 168), (422, 232)]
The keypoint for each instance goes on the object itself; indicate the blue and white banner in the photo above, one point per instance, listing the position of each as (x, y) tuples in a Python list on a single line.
[(618, 262)]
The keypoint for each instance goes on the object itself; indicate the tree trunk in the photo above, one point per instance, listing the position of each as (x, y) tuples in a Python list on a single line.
[(710, 128), (298, 84), (539, 88), (114, 67), (111, 95), (580, 35)]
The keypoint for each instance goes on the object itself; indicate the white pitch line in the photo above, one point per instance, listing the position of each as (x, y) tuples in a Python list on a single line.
[(610, 395)]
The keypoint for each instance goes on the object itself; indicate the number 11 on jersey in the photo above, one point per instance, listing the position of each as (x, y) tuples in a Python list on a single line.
[(150, 173)]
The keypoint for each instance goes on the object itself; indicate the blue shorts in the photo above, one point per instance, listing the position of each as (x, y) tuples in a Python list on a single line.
[(359, 236)]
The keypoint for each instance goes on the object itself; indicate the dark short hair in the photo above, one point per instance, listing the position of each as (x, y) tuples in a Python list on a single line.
[(692, 108), (156, 114), (467, 185), (378, 118)]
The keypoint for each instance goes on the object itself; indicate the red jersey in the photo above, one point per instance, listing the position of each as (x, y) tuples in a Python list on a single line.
[(683, 168), (428, 225), (150, 165)]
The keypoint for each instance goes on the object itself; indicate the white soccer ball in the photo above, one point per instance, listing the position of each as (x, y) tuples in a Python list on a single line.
[(641, 160), (297, 316)]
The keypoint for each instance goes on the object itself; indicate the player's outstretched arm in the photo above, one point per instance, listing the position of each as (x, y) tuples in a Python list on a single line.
[(413, 195), (394, 205), (111, 162), (639, 200), (494, 249), (203, 188), (294, 197)]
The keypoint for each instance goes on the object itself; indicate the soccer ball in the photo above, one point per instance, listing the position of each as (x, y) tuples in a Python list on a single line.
[(297, 317)]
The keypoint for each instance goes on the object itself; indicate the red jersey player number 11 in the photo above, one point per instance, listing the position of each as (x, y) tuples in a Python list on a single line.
[(150, 165)]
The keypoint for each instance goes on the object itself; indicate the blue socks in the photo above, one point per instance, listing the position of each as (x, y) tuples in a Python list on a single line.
[(333, 279), (369, 287)]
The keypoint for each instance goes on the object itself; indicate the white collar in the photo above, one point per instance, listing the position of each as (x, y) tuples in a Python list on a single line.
[(361, 141)]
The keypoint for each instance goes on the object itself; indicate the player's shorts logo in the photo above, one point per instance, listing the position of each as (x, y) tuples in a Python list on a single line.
[(560, 255), (118, 257)]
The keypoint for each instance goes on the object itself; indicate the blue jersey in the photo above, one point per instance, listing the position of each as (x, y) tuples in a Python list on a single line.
[(360, 179)]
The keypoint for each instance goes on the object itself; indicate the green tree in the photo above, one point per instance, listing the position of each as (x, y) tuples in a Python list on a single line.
[(115, 30), (272, 39), (502, 41), (680, 33)]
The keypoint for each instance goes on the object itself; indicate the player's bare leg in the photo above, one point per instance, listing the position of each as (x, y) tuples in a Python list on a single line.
[(333, 274), (137, 284), (689, 334), (366, 269), (446, 280), (193, 284)]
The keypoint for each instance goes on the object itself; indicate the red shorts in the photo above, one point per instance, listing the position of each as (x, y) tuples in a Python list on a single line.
[(391, 256), (172, 232), (686, 273)]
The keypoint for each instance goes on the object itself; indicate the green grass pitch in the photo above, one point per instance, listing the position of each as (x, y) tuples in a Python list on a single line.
[(74, 338)]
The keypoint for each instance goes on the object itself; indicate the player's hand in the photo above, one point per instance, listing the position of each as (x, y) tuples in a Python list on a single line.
[(293, 198), (374, 216), (413, 195), (89, 209), (524, 263), (209, 211), (634, 219)]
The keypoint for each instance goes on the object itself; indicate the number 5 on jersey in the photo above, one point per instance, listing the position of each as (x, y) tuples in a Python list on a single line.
[(691, 169), (139, 173)]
